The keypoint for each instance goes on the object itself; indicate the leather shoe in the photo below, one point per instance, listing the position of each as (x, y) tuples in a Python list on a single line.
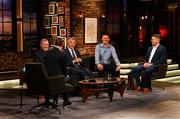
[(146, 90), (66, 103), (138, 89)]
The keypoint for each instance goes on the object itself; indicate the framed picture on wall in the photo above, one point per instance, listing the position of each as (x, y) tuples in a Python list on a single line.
[(54, 30), (48, 30), (61, 21), (60, 10), (90, 30), (62, 31), (46, 21), (52, 8), (54, 19)]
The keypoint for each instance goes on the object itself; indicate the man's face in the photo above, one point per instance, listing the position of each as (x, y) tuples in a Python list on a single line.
[(44, 45), (155, 41), (105, 39), (71, 43)]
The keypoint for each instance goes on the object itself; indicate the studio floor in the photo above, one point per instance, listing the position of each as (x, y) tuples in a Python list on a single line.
[(160, 104)]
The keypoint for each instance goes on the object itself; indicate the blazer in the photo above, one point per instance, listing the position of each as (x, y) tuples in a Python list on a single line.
[(69, 59), (54, 62), (160, 56), (39, 56)]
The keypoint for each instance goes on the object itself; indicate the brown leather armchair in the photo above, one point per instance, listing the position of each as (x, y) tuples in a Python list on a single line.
[(39, 84)]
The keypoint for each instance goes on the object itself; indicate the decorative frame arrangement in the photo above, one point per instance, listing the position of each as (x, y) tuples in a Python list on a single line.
[(54, 19), (62, 32), (54, 31), (51, 8), (60, 10), (90, 30), (46, 21)]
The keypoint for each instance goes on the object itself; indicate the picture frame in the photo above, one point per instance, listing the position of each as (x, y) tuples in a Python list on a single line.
[(60, 10), (54, 30), (54, 19), (61, 21), (90, 30), (62, 32), (52, 8), (46, 21), (48, 31)]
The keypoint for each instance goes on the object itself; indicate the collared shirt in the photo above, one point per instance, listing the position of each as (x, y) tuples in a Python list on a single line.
[(104, 54), (153, 52), (72, 51)]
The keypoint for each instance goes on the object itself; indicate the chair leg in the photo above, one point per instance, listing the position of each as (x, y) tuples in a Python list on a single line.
[(46, 104)]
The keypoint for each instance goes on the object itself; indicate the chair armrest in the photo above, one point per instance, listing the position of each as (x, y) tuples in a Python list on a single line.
[(56, 82)]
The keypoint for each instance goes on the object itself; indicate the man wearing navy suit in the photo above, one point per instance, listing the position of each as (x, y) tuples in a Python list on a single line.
[(74, 62), (155, 55)]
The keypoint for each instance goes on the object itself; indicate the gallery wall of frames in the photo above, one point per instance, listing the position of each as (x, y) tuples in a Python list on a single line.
[(54, 20)]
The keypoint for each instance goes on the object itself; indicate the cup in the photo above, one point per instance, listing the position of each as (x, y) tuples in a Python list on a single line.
[(109, 76)]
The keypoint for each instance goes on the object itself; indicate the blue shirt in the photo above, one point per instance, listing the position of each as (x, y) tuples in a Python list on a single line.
[(103, 55)]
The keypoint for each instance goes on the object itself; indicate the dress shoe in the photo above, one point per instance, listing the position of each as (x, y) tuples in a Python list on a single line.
[(146, 90), (66, 103), (138, 89)]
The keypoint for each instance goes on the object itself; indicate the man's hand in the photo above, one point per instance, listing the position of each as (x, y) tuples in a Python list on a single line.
[(100, 67), (118, 68), (146, 65), (77, 60)]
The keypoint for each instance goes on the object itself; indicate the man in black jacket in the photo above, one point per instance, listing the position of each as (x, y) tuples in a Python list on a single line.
[(39, 55), (55, 64), (155, 55)]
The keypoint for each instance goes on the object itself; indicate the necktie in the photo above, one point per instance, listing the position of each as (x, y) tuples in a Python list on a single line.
[(73, 54)]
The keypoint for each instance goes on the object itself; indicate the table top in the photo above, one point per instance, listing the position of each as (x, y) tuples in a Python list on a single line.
[(101, 81)]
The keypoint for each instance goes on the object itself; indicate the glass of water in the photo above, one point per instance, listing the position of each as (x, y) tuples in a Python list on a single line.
[(109, 77)]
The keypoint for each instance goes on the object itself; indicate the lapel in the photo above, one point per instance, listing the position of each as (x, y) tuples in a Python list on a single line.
[(68, 53), (155, 54)]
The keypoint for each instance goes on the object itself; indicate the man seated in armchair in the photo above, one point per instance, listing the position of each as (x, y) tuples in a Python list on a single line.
[(155, 56), (76, 70)]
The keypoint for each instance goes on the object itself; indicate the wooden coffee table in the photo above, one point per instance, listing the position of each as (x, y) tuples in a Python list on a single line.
[(97, 85)]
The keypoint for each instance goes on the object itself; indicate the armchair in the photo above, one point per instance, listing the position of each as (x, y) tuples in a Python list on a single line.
[(38, 83)]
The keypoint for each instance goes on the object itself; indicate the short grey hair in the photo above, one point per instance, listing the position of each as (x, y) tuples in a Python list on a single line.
[(43, 40)]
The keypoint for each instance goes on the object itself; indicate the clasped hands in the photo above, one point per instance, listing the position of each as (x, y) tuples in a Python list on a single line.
[(77, 60), (146, 65), (101, 67)]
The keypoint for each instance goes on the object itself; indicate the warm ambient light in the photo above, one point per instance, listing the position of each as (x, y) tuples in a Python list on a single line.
[(80, 15)]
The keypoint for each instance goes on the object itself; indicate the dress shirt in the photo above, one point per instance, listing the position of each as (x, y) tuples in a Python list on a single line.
[(73, 53), (153, 52), (104, 54)]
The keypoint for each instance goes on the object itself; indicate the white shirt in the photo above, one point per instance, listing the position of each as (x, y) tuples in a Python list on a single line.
[(72, 50), (153, 52)]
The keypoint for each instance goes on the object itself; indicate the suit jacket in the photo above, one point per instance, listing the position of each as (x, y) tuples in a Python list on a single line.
[(54, 62), (160, 56), (69, 59), (39, 56)]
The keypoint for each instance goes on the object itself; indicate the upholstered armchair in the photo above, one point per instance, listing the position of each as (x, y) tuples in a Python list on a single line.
[(39, 84)]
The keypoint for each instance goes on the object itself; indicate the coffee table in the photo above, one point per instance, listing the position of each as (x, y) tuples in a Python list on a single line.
[(95, 86)]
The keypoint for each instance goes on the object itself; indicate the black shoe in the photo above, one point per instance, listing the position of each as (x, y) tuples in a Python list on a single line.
[(66, 103)]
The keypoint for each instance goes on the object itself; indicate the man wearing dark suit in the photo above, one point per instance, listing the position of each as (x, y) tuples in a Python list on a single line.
[(73, 59), (55, 64), (39, 55), (155, 55)]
